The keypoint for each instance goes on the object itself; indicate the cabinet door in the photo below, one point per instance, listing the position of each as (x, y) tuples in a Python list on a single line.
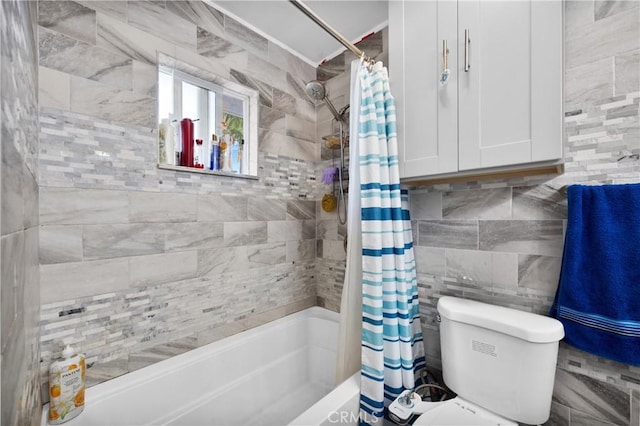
[(426, 111), (510, 97)]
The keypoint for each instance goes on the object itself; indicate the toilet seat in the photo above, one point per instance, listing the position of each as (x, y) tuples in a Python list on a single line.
[(458, 412)]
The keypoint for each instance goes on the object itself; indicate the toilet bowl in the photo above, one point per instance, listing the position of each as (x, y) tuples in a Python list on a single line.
[(501, 363)]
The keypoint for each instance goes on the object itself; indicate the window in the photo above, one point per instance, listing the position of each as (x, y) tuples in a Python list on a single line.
[(191, 110)]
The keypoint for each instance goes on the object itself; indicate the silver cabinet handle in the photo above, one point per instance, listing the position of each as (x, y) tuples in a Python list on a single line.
[(444, 75), (445, 55), (467, 42)]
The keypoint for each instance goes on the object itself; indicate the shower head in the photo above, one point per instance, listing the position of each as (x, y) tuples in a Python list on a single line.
[(316, 90)]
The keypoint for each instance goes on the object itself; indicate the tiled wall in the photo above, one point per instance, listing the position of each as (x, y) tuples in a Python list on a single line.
[(501, 241), (131, 256), (19, 215)]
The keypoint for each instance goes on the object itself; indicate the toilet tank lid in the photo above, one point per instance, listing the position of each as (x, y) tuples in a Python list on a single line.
[(524, 325)]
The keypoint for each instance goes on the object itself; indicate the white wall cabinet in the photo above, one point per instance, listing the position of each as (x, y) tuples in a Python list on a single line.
[(502, 104)]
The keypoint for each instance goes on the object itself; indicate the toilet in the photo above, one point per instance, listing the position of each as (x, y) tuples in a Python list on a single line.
[(501, 362)]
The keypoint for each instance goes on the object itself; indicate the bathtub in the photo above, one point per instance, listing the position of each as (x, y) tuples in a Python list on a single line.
[(276, 374)]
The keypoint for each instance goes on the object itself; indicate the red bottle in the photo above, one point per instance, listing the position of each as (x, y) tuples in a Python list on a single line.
[(186, 125)]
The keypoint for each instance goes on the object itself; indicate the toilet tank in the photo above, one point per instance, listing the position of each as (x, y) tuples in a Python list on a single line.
[(499, 358)]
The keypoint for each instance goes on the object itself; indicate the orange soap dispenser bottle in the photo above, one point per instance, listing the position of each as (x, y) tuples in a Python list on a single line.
[(66, 386)]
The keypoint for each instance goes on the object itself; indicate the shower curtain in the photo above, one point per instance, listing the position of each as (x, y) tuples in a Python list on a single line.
[(392, 351)]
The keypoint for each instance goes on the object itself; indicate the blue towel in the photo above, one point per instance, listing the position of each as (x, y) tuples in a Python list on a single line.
[(598, 297)]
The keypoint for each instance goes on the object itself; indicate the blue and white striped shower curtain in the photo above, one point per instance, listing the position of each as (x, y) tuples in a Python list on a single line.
[(392, 347)]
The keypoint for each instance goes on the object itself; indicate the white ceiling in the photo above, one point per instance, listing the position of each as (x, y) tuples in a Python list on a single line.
[(282, 23)]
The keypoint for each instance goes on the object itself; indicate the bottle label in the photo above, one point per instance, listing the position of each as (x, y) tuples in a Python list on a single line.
[(66, 389)]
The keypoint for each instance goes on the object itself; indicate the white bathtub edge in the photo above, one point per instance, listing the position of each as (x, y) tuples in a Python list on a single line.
[(340, 406)]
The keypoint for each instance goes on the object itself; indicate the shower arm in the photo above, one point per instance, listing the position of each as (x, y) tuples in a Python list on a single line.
[(339, 117)]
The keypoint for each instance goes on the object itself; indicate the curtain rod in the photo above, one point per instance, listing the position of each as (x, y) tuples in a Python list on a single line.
[(318, 20)]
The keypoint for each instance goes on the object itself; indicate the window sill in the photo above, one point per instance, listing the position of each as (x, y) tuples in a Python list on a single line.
[(206, 171)]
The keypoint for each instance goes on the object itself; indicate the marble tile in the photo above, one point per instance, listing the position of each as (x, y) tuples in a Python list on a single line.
[(30, 198), (12, 184), (154, 354), (114, 8), (266, 71), (152, 17), (210, 69), (270, 142), (69, 18), (213, 46), (477, 204), (163, 268), (54, 88), (13, 268), (578, 12), (131, 42), (301, 209), (107, 241), (543, 237), (145, 79), (103, 371), (594, 398), (308, 229), (333, 250), (244, 37), (298, 148), (579, 418), (301, 250), (60, 244), (605, 38), (559, 415), (291, 63), (214, 262), (300, 129), (331, 68), (425, 205), (162, 207), (539, 272), (266, 209), (605, 8), (539, 202), (589, 82), (67, 206), (259, 318), (284, 230), (627, 75), (199, 13), (271, 119), (635, 407), (284, 102), (462, 234), (430, 260), (295, 87), (67, 281), (265, 91), (469, 266), (267, 254), (181, 236), (221, 208), (115, 105), (77, 58), (218, 333), (504, 270), (245, 233)]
